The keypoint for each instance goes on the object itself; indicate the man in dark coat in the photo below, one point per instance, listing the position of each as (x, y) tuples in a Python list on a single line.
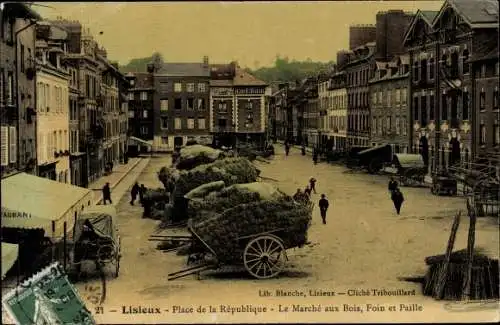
[(106, 194), (134, 192), (298, 196), (323, 207), (312, 184), (287, 149), (142, 191), (398, 199), (315, 156), (303, 150), (393, 185)]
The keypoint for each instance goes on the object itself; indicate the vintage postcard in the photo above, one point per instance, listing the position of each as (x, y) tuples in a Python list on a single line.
[(250, 162)]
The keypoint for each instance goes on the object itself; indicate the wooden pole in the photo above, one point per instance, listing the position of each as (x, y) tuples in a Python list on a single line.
[(470, 253), (64, 245), (443, 272), (52, 243)]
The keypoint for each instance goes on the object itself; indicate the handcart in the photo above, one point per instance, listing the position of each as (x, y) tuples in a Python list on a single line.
[(95, 239), (411, 169)]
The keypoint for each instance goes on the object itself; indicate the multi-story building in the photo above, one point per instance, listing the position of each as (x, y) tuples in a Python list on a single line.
[(141, 111), (237, 105), (109, 99), (359, 69), (324, 106), (389, 98), (459, 31), (181, 104), (17, 89), (421, 87), (486, 118), (310, 113), (278, 113), (81, 59), (77, 158), (337, 111), (52, 104)]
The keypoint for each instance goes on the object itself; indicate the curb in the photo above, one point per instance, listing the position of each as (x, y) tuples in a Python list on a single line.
[(118, 181)]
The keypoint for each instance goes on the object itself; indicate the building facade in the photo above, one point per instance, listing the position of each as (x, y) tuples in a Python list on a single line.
[(359, 69), (181, 104), (337, 111), (52, 104), (388, 103), (459, 31), (18, 89), (486, 119)]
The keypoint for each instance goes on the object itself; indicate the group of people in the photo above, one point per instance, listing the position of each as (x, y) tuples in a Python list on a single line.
[(137, 190), (396, 195), (305, 196)]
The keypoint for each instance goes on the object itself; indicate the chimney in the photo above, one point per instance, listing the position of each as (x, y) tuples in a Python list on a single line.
[(151, 67)]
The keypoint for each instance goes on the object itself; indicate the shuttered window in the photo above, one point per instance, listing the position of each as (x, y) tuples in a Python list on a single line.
[(13, 144), (4, 145)]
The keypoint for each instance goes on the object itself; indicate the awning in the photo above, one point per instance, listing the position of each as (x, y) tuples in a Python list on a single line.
[(32, 202), (373, 149), (409, 161), (9, 256), (144, 142)]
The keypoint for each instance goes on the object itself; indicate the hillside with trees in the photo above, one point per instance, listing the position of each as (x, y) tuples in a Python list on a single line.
[(283, 70)]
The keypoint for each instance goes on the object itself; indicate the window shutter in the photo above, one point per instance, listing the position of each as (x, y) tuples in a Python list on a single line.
[(13, 144), (4, 145)]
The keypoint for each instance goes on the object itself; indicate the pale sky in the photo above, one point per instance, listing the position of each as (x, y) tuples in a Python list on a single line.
[(250, 33)]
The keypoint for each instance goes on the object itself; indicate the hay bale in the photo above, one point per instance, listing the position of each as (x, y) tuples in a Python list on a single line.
[(221, 231), (196, 155), (168, 176), (156, 195), (202, 190)]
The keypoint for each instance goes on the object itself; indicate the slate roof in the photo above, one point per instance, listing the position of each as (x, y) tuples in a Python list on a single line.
[(184, 70), (221, 83), (476, 11), (244, 78), (429, 15), (143, 81)]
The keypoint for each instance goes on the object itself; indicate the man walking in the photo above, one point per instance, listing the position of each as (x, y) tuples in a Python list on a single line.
[(398, 199), (315, 156), (393, 185), (287, 149), (312, 184), (323, 207), (106, 194), (134, 192)]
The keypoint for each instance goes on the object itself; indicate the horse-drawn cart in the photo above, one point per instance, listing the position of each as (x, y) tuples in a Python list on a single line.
[(262, 253), (411, 169)]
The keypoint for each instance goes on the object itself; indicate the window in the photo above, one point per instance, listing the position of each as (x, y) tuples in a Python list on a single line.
[(201, 123), (22, 58), (482, 130), (432, 115), (144, 130), (431, 68), (495, 99), (423, 111), (444, 107), (164, 140), (465, 62), (10, 88), (190, 123), (415, 109), (164, 122), (388, 98), (190, 87), (496, 135), (164, 105), (144, 95), (178, 103), (415, 71), (9, 32), (222, 107), (423, 70), (132, 82), (130, 96), (145, 113), (202, 87), (164, 87), (380, 97), (177, 87), (177, 123), (482, 100), (483, 71), (465, 106), (201, 104), (403, 95), (249, 105), (190, 104), (130, 114), (398, 95)]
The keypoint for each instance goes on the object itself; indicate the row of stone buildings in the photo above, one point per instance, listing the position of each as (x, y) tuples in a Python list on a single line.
[(424, 82), (63, 104), (172, 103)]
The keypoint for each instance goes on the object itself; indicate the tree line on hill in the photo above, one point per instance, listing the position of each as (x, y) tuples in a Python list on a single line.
[(283, 70)]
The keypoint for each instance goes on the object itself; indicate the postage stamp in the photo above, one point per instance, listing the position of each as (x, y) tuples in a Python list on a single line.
[(47, 298)]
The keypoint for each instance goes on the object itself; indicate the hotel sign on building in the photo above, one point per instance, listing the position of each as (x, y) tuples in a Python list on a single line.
[(250, 91)]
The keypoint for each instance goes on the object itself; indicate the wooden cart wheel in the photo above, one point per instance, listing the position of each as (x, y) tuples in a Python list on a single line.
[(264, 257)]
